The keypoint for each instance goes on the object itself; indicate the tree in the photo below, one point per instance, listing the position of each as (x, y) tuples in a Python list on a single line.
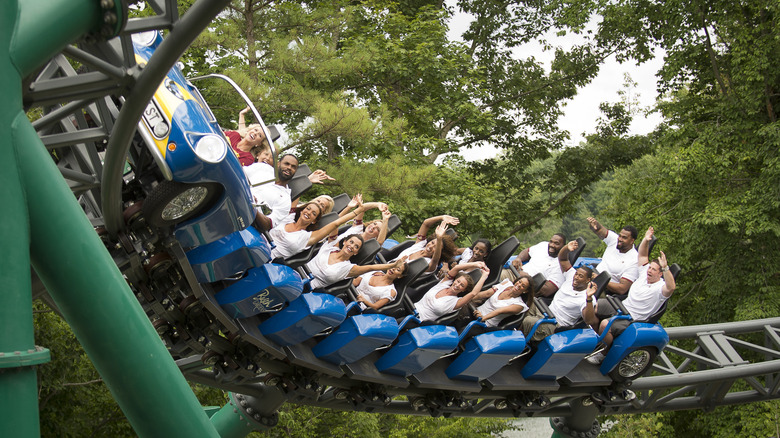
[(712, 188)]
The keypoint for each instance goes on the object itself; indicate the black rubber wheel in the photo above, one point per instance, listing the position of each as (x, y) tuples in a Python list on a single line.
[(634, 365), (172, 202)]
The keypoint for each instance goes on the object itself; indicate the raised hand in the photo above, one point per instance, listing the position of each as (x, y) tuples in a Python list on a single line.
[(441, 230), (591, 289), (451, 220), (318, 176), (355, 201)]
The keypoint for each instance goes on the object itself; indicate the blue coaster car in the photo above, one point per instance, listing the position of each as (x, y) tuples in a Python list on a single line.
[(229, 255), (417, 348), (356, 338), (558, 354), (264, 289), (485, 354), (306, 316), (204, 194), (633, 352)]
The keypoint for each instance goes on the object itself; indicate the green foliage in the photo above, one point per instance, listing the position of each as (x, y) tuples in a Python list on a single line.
[(304, 422), (712, 188)]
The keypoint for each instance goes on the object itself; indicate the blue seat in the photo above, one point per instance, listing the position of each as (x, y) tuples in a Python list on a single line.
[(264, 289), (484, 354), (306, 316), (232, 254), (417, 348), (357, 337), (558, 354)]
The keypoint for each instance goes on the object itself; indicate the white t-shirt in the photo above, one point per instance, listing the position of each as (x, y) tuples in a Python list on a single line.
[(542, 262), (567, 304), (374, 293), (494, 303), (430, 308), (644, 298), (275, 197), (259, 173), (618, 264), (288, 243), (324, 273)]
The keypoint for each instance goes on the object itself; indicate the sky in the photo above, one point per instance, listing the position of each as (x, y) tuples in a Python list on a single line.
[(581, 113)]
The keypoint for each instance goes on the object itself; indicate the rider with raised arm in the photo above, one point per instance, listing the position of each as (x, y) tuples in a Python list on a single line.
[(619, 258), (505, 299), (441, 247), (653, 287), (453, 292)]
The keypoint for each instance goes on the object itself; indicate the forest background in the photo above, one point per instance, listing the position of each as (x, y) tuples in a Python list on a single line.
[(376, 94)]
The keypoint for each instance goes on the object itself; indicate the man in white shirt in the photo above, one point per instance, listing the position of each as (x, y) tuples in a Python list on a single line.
[(619, 259), (542, 257), (274, 195), (655, 285)]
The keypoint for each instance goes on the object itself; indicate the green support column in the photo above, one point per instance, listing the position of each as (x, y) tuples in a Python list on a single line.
[(18, 385), (41, 215)]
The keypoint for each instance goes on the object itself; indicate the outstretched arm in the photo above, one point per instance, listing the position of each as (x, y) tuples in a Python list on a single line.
[(462, 301), (511, 309), (242, 121), (362, 269), (643, 256), (465, 267), (323, 232), (597, 228), (385, 221), (422, 233), (563, 255), (669, 283)]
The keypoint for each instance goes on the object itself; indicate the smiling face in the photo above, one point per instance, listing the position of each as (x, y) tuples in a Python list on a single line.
[(310, 213), (429, 249), (372, 230), (479, 251), (255, 135), (287, 167), (459, 285), (581, 279), (554, 245), (521, 286), (324, 202), (351, 246), (265, 156)]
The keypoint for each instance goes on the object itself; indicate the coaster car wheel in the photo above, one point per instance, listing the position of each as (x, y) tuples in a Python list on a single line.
[(172, 202), (634, 365)]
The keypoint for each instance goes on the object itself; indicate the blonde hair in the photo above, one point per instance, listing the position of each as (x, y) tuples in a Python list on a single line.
[(243, 132), (330, 202)]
